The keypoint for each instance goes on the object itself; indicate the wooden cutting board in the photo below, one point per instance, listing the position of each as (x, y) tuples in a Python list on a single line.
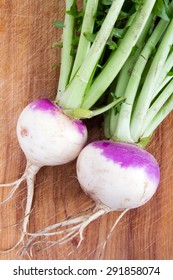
[(27, 72)]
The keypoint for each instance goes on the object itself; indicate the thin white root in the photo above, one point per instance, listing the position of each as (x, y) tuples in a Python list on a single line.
[(29, 175), (15, 185), (112, 229), (59, 242), (11, 184), (77, 226), (93, 217), (67, 222), (46, 232)]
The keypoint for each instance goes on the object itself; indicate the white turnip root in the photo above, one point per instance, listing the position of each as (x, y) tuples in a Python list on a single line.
[(117, 176), (48, 137)]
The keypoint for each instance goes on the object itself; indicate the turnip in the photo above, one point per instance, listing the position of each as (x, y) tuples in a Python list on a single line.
[(117, 175), (51, 132), (48, 137)]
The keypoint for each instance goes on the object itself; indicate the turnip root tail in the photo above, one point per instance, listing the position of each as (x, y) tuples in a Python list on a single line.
[(15, 185), (29, 175), (112, 229), (76, 226)]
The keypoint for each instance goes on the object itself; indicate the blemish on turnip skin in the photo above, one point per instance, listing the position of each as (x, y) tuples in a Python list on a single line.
[(145, 190), (24, 132)]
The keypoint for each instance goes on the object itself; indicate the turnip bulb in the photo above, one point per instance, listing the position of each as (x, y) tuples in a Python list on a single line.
[(117, 175), (48, 137)]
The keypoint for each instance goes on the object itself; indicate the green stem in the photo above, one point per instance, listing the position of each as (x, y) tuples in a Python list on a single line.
[(122, 85), (162, 85), (102, 110), (127, 68), (113, 122), (158, 104), (87, 27), (106, 124), (161, 115), (109, 119), (123, 128), (146, 94), (73, 96), (80, 113), (163, 79), (66, 53), (119, 57), (124, 74)]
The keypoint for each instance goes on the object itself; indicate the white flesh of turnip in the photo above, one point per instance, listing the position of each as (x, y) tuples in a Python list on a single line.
[(117, 176), (48, 137)]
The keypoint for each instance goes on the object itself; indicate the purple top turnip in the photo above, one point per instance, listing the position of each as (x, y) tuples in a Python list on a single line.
[(117, 175), (47, 135)]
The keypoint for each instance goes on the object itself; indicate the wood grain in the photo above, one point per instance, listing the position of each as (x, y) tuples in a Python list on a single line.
[(26, 73)]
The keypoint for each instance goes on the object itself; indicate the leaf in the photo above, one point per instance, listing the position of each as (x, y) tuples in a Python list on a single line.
[(170, 73), (112, 45), (75, 41), (161, 9), (118, 33), (90, 36), (138, 2), (171, 48), (168, 8), (123, 15), (58, 24), (74, 11), (107, 2)]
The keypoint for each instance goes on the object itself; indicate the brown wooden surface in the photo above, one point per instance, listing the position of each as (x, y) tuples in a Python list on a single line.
[(26, 73)]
